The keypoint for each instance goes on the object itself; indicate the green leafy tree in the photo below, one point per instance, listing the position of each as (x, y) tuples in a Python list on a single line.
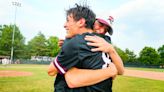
[(25, 53), (6, 41), (131, 56), (38, 45), (0, 31), (122, 54), (149, 56), (161, 53), (53, 47)]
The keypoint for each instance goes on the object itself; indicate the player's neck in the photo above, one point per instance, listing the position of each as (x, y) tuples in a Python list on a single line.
[(85, 30)]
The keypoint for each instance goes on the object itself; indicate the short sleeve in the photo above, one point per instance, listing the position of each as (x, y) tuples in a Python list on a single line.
[(68, 57)]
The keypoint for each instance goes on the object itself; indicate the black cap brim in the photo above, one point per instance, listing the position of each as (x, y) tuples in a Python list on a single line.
[(110, 30)]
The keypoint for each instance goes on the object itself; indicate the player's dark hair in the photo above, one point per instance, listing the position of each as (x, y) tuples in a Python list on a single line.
[(80, 11)]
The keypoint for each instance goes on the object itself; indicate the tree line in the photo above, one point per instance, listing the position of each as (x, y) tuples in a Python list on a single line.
[(37, 46), (148, 56), (40, 46)]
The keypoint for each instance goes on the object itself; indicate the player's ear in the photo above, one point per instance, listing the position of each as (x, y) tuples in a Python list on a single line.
[(81, 22)]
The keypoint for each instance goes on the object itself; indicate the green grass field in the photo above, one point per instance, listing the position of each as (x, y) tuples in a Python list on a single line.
[(41, 82)]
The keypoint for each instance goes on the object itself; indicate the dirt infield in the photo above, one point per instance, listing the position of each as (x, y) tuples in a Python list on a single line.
[(144, 74), (8, 73)]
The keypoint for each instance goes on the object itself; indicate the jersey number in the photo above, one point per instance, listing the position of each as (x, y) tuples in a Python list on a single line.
[(107, 61)]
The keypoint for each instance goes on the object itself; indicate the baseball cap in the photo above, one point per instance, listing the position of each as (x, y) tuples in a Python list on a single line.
[(107, 22)]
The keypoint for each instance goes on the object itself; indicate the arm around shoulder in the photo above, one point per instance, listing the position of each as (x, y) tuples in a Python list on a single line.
[(116, 59)]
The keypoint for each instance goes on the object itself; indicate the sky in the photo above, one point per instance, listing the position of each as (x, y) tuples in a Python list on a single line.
[(137, 23)]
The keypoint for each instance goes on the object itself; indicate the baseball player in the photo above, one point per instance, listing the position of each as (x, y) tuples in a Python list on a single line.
[(76, 53), (101, 26)]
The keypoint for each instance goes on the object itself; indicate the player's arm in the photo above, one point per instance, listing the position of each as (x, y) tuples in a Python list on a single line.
[(86, 77), (104, 46), (117, 61), (52, 71)]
